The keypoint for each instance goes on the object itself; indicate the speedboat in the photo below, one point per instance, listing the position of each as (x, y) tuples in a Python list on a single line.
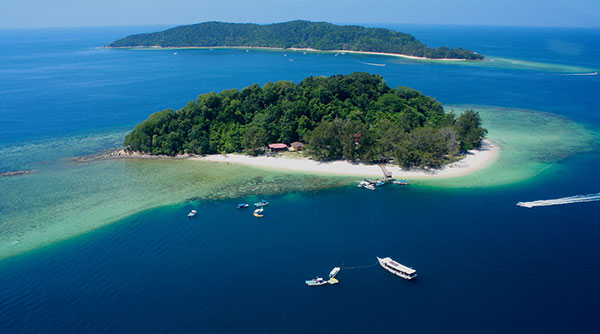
[(362, 184), (316, 281), (242, 205), (370, 187), (334, 272), (261, 203), (192, 214), (401, 182), (258, 213)]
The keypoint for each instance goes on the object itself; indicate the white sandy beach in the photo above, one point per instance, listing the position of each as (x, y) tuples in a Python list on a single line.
[(387, 54), (157, 47), (474, 161)]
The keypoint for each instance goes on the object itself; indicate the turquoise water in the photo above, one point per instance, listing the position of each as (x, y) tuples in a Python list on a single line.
[(485, 265)]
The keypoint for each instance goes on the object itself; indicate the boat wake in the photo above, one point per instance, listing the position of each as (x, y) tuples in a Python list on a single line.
[(591, 73), (561, 201), (373, 64)]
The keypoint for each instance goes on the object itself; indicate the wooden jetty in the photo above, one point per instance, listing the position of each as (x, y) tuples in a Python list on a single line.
[(386, 174)]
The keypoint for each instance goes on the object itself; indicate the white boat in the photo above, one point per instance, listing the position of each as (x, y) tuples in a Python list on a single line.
[(370, 187), (316, 281), (192, 214), (334, 272), (261, 203), (397, 269), (362, 184), (258, 213)]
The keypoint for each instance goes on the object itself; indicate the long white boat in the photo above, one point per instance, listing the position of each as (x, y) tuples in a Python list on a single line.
[(396, 268)]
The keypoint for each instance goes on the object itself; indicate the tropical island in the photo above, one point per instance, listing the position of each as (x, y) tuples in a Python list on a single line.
[(355, 117), (306, 35)]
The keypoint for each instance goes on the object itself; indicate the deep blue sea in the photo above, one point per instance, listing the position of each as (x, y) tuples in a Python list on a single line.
[(485, 265)]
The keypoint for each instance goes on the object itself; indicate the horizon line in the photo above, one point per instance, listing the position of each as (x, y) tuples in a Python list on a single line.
[(333, 22)]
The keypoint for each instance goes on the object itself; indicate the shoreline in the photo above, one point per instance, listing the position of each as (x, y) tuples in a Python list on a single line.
[(372, 53), (473, 161)]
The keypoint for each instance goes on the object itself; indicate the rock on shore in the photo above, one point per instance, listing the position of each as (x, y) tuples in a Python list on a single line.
[(18, 172)]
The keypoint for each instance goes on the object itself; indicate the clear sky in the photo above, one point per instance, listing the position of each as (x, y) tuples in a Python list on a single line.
[(77, 13)]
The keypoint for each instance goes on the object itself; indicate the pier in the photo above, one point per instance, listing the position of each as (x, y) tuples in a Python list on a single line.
[(387, 176)]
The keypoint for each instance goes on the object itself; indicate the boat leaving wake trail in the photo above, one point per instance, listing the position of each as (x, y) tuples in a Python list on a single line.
[(373, 64), (560, 201), (591, 73)]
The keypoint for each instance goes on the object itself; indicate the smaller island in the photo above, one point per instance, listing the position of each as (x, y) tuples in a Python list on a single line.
[(355, 117), (299, 34)]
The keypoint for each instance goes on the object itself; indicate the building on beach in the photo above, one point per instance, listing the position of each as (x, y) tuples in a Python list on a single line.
[(276, 147), (296, 146)]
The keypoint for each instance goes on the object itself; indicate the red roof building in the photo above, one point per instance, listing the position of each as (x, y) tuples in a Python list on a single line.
[(278, 146)]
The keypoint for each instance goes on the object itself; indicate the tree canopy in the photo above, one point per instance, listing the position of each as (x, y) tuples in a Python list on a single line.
[(294, 34), (356, 117)]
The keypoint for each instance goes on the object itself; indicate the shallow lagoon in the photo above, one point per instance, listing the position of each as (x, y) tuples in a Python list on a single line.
[(66, 198)]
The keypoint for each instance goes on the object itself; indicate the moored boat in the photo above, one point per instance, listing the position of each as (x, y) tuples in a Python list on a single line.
[(242, 205), (258, 213), (334, 272), (333, 281), (397, 269), (401, 182), (316, 281), (370, 187), (192, 214), (261, 203)]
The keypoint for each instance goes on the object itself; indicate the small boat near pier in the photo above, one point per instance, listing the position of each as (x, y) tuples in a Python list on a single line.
[(366, 184)]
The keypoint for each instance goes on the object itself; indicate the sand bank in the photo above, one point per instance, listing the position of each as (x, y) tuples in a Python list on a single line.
[(473, 161)]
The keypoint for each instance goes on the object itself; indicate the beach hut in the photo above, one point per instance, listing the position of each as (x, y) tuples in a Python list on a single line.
[(296, 146), (278, 147)]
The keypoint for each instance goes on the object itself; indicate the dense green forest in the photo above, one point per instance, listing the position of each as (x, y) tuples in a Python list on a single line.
[(356, 117), (293, 34)]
